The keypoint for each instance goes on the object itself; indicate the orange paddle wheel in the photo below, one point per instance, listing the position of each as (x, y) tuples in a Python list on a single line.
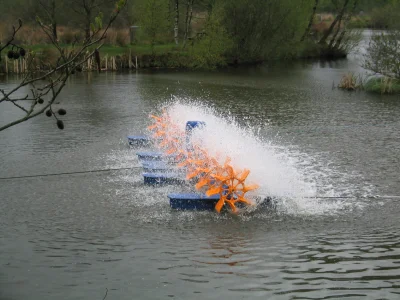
[(212, 177)]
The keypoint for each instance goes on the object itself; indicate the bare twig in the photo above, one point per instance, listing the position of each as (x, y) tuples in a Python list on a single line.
[(56, 76), (15, 31)]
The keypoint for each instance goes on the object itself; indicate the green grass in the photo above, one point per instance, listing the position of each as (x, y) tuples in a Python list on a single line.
[(382, 85)]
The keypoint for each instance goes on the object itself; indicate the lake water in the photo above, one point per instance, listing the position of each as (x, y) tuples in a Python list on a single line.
[(77, 236)]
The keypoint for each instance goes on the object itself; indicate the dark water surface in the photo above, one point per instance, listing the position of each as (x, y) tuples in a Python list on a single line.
[(74, 236)]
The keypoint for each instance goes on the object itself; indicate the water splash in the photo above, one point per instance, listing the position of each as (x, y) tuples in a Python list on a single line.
[(282, 173), (296, 179)]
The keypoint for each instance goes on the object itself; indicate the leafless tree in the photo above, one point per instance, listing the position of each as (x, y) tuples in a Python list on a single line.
[(310, 22), (49, 8), (46, 86), (87, 9), (344, 14)]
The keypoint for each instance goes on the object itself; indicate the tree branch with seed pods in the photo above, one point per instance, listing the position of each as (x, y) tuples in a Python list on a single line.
[(46, 86)]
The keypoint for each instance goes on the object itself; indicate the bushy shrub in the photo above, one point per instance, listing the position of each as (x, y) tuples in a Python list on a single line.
[(386, 17), (382, 85), (360, 22), (383, 54)]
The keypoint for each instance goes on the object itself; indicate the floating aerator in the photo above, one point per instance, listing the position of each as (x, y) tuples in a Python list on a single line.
[(222, 183)]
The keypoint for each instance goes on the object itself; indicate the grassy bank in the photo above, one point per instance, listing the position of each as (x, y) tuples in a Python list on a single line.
[(373, 84), (383, 85), (160, 56), (113, 50), (112, 57)]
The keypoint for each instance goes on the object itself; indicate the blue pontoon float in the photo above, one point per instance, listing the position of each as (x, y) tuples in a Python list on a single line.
[(192, 201), (138, 140), (162, 178)]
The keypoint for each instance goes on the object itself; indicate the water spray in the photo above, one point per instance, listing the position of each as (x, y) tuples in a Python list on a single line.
[(213, 178)]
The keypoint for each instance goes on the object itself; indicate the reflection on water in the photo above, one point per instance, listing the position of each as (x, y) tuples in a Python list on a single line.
[(74, 236)]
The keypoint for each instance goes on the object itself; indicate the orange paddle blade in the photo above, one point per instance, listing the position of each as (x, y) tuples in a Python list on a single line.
[(219, 205), (202, 182), (244, 175), (250, 188), (213, 191), (232, 205)]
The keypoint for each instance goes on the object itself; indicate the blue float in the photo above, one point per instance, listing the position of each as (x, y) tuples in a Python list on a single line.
[(156, 156), (190, 125), (150, 155), (159, 170), (162, 178), (157, 167), (192, 201), (154, 164), (138, 140), (161, 167), (195, 201)]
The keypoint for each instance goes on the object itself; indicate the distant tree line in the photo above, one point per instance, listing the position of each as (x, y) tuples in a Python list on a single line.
[(241, 31), (217, 32), (74, 13), (364, 5), (208, 33)]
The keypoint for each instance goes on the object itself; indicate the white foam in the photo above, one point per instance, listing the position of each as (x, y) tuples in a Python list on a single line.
[(294, 178)]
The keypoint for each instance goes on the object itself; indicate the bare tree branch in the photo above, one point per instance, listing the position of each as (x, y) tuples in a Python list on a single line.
[(11, 39), (310, 22), (56, 76), (338, 17)]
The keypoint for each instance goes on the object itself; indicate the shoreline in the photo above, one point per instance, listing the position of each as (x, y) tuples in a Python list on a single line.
[(163, 60)]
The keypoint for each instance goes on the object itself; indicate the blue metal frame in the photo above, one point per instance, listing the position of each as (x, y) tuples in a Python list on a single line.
[(192, 201)]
